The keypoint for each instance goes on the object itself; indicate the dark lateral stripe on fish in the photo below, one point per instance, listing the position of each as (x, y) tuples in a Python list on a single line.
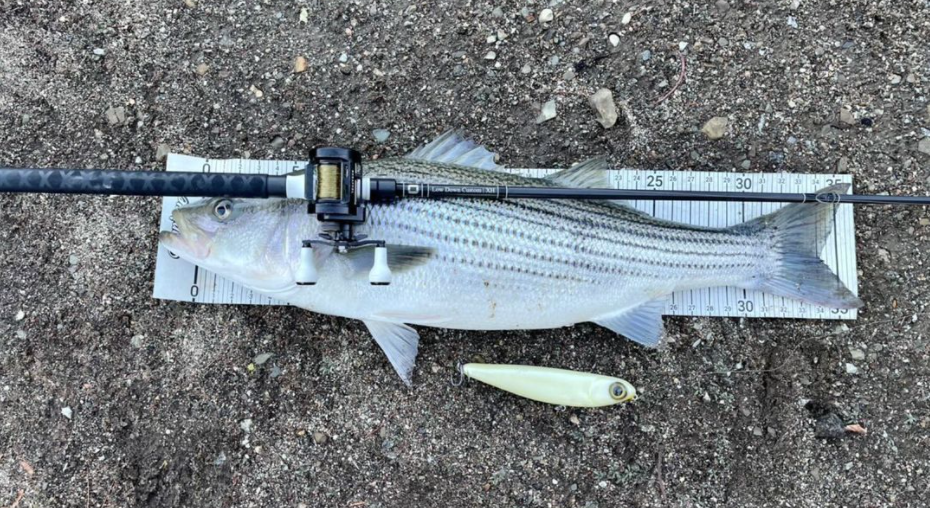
[(622, 269), (612, 241), (715, 238)]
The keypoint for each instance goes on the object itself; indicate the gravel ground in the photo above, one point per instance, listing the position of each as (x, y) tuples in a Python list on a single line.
[(111, 398)]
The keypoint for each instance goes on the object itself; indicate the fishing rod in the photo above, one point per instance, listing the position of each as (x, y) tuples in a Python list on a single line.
[(338, 193)]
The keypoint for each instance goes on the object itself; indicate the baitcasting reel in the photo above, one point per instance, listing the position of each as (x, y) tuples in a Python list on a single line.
[(336, 192)]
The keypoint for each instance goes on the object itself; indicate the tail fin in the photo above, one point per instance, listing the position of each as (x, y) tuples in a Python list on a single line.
[(799, 233)]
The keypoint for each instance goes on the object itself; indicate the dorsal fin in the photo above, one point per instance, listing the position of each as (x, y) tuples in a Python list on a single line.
[(452, 148), (590, 174)]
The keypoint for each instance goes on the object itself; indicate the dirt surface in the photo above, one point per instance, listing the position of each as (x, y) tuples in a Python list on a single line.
[(111, 398)]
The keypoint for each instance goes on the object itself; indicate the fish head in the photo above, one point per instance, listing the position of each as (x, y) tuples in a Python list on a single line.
[(242, 239)]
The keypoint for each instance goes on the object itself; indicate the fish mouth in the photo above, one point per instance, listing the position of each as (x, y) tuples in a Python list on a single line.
[(184, 246), (187, 242)]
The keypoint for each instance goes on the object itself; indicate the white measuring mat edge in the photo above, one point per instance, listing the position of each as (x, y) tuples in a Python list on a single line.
[(179, 280)]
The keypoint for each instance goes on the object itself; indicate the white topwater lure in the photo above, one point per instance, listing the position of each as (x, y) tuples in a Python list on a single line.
[(553, 386)]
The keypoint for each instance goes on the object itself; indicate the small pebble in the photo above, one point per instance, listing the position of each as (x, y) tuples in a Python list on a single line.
[(757, 431), (381, 135), (924, 146), (842, 165), (66, 411), (547, 112), (895, 79), (300, 64), (851, 369), (715, 128), (857, 354), (319, 438), (19, 316), (202, 69), (220, 459), (256, 92), (546, 15), (278, 142), (116, 116), (490, 56), (574, 419), (162, 152), (568, 75), (20, 334), (304, 15), (246, 425), (627, 18), (261, 359), (100, 51), (645, 55), (746, 164), (136, 341), (497, 13), (614, 40), (722, 6), (190, 4), (603, 104), (846, 117), (554, 60), (792, 22), (343, 58), (526, 69), (492, 39), (682, 46)]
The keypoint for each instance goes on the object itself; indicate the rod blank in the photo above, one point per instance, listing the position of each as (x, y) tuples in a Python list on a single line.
[(435, 191)]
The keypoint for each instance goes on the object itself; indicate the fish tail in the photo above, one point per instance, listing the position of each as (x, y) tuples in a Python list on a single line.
[(796, 235)]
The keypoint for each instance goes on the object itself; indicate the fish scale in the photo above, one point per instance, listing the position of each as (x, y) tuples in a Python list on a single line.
[(518, 264)]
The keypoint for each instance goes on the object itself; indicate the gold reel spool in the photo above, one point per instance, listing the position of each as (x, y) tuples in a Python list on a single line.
[(330, 180)]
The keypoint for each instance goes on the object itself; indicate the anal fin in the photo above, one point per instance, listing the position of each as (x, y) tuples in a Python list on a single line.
[(400, 343), (642, 324)]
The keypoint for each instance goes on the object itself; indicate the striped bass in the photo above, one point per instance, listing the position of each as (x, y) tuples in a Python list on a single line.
[(504, 265)]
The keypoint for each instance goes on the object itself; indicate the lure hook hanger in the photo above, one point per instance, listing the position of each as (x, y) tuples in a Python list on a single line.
[(337, 192), (457, 382)]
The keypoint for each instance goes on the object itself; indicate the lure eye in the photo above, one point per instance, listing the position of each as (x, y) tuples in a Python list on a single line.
[(618, 391), (223, 209)]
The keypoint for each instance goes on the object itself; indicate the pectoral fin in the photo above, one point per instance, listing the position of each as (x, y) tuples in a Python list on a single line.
[(399, 342), (642, 324), (400, 257)]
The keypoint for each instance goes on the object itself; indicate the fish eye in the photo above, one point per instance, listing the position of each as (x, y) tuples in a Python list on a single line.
[(223, 209), (618, 391)]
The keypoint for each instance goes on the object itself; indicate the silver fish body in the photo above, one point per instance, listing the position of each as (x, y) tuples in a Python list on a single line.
[(518, 264)]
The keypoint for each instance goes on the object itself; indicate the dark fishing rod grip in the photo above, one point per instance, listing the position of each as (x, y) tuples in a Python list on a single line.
[(141, 183)]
